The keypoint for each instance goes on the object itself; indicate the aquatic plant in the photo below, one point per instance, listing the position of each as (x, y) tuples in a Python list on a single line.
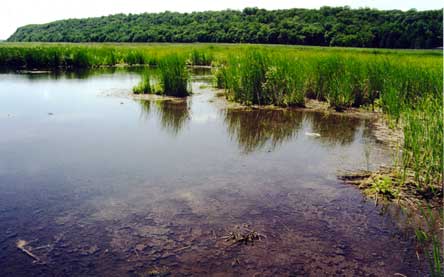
[(144, 86), (254, 77), (246, 74), (430, 242), (201, 58), (423, 138), (284, 83), (173, 76), (376, 73)]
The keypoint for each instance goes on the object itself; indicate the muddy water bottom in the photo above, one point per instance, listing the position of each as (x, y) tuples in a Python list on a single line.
[(111, 186)]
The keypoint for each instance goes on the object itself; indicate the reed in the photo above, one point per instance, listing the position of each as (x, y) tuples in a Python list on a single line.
[(428, 238), (256, 78), (200, 58), (423, 151), (173, 76), (144, 86), (407, 88)]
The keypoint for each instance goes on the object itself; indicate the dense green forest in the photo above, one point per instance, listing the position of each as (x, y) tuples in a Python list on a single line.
[(326, 26)]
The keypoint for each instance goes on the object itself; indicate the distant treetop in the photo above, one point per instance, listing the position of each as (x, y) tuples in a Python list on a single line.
[(327, 26)]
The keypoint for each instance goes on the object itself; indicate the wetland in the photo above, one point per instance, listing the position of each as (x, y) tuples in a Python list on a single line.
[(96, 181)]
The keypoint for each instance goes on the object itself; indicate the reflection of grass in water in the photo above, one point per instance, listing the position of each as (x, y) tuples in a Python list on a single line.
[(173, 115), (145, 108), (255, 129), (334, 129)]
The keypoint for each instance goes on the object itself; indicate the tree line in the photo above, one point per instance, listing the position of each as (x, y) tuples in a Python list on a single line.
[(327, 26)]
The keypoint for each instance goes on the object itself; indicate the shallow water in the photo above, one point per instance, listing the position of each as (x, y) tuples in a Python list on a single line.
[(104, 185)]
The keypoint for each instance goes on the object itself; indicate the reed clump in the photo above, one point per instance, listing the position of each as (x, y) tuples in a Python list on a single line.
[(200, 57), (68, 55), (144, 86), (170, 78), (173, 76), (256, 78)]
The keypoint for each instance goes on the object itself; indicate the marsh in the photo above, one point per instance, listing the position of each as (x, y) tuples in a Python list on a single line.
[(99, 183)]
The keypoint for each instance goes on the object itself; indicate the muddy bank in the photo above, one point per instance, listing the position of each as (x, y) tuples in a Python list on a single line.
[(391, 184), (310, 106)]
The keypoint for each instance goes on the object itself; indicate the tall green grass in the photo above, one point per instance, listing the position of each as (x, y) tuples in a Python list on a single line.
[(144, 86), (255, 77), (423, 141), (174, 76), (201, 57), (170, 79), (428, 238), (66, 55)]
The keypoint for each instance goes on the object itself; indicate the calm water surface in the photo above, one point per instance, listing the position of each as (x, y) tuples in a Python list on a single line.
[(102, 184)]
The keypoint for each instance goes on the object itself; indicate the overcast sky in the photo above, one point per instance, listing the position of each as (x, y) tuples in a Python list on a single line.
[(16, 13)]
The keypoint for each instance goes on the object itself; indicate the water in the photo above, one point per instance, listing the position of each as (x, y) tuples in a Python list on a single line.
[(98, 183)]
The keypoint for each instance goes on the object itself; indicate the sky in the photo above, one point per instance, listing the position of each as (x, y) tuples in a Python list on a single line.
[(16, 13)]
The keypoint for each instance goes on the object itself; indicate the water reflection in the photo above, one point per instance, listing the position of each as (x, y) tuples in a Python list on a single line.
[(79, 74), (256, 129), (145, 109), (200, 72), (172, 114), (334, 129)]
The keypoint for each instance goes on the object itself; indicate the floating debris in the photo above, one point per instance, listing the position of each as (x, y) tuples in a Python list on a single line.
[(312, 134), (243, 235), (34, 71), (235, 262), (156, 272), (21, 244), (89, 250)]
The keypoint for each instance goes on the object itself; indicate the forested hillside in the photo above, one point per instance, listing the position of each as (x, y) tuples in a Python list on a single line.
[(326, 26)]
